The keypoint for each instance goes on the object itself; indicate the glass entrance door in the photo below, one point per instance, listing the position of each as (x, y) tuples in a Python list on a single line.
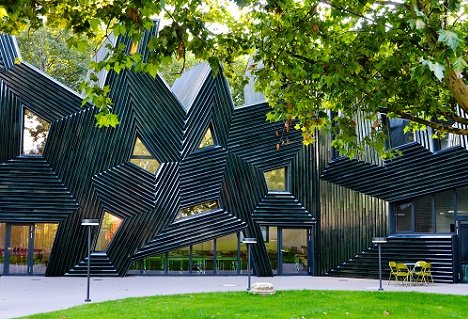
[(294, 251), (289, 249), (25, 248), (18, 248)]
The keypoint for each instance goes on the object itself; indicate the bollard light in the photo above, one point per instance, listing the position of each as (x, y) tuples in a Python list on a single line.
[(379, 241), (90, 223), (249, 242)]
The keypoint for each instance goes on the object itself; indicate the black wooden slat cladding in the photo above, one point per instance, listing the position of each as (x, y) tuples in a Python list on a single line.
[(8, 51), (88, 170), (243, 188), (417, 172), (304, 183), (126, 190), (160, 116), (31, 191), (201, 175), (45, 96), (282, 209), (223, 109), (188, 85), (191, 231), (254, 139), (10, 122), (199, 109), (347, 221)]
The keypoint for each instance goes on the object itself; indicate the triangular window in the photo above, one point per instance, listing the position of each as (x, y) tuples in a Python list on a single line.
[(276, 179), (143, 158), (35, 131), (208, 138), (197, 209), (109, 226)]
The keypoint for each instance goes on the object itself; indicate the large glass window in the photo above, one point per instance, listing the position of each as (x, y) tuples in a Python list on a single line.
[(203, 257), (403, 217), (431, 213), (444, 212), (462, 201), (227, 254), (44, 235), (423, 221), (276, 179), (109, 226), (35, 131)]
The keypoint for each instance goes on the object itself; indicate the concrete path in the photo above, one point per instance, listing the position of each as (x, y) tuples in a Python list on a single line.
[(22, 296)]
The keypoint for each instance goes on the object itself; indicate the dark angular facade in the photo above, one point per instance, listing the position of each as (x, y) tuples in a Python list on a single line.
[(85, 171)]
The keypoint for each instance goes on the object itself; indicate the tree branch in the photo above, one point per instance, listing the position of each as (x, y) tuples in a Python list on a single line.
[(434, 125)]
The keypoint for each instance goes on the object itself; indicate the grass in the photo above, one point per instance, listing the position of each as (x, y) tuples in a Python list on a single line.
[(302, 304)]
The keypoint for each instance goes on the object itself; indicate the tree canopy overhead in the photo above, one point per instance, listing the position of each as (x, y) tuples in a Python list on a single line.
[(398, 58)]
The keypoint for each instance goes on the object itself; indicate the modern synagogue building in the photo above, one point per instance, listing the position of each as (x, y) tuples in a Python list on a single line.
[(187, 175)]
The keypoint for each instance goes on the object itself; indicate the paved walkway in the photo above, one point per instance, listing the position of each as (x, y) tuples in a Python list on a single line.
[(22, 296)]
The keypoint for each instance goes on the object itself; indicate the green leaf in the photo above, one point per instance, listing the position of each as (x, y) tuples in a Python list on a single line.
[(450, 38), (459, 64), (152, 69)]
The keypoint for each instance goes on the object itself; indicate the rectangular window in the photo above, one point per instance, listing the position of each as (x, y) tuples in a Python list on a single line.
[(462, 201), (403, 217), (444, 212), (423, 215)]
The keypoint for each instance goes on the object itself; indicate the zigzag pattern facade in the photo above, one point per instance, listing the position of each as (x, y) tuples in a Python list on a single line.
[(417, 172), (90, 173)]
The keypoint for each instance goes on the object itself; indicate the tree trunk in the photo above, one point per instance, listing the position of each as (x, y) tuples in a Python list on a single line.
[(458, 88)]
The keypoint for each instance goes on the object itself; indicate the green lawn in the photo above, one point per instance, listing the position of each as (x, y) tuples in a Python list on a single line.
[(284, 304)]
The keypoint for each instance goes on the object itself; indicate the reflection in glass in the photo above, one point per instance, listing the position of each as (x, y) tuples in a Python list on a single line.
[(197, 209), (276, 179), (423, 214), (35, 131), (270, 234), (403, 216), (444, 211), (294, 251), (44, 235), (143, 158), (227, 254), (109, 226), (462, 201), (203, 260), (19, 249), (207, 139)]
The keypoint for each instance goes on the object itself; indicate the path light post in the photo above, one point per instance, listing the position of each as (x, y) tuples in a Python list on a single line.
[(248, 242), (379, 241), (90, 223)]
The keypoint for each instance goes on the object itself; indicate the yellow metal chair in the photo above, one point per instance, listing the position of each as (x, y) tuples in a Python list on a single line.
[(425, 274), (417, 272), (402, 271), (392, 265)]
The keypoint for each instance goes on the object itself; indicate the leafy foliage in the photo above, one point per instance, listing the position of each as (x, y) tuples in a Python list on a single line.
[(318, 62)]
